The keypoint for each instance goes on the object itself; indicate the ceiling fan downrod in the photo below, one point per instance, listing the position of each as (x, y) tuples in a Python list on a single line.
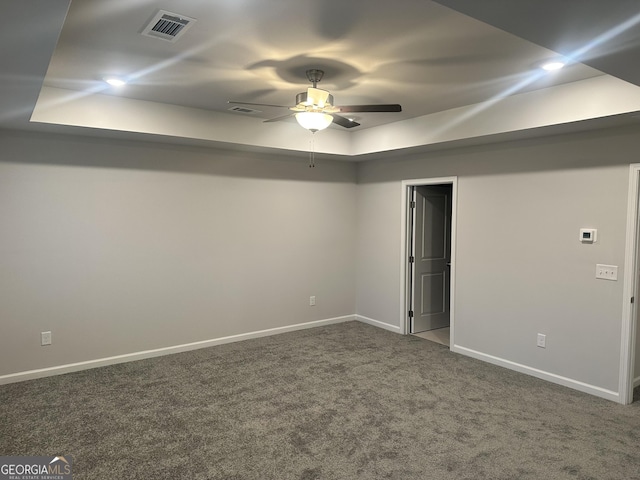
[(314, 76)]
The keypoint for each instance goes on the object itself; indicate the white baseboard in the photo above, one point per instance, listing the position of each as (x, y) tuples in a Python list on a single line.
[(636, 382), (378, 323), (130, 357), (550, 377)]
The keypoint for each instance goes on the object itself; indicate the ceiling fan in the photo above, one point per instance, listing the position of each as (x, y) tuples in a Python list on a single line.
[(314, 109)]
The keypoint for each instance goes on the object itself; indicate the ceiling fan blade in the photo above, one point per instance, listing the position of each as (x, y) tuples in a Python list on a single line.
[(392, 107), (343, 122), (277, 119), (257, 104)]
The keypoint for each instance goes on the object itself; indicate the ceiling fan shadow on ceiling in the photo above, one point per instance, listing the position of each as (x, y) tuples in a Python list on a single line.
[(315, 110)]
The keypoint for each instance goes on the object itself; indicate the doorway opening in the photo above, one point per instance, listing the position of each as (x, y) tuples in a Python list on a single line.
[(428, 258), (630, 338)]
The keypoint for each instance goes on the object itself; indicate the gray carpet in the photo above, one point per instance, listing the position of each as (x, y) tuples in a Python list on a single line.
[(346, 401)]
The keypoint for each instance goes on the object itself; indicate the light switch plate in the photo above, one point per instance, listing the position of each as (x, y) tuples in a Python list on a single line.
[(607, 272)]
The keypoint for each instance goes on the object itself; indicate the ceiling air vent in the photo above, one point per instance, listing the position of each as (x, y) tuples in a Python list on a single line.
[(167, 26), (243, 110)]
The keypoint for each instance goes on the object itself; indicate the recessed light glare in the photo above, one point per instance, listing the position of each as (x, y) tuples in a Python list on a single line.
[(553, 66), (115, 81)]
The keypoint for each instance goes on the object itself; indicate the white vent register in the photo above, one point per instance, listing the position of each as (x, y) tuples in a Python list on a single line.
[(167, 26)]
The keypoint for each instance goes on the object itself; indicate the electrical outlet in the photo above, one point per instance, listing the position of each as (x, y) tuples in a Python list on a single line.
[(45, 338), (542, 340), (312, 300)]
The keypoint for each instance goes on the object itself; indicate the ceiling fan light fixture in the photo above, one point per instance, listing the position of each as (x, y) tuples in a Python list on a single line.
[(315, 109), (314, 121)]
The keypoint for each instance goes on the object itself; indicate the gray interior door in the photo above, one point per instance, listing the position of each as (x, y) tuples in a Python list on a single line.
[(431, 258)]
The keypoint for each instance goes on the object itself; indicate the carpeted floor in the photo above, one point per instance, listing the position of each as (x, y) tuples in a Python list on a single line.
[(347, 401)]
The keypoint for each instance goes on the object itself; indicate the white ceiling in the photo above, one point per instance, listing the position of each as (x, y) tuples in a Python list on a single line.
[(427, 57)]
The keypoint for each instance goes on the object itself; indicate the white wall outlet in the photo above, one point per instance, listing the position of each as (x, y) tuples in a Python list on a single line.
[(607, 272), (45, 338), (312, 300), (542, 340)]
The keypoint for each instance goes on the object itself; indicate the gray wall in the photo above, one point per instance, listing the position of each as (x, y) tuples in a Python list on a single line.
[(520, 267), (120, 247)]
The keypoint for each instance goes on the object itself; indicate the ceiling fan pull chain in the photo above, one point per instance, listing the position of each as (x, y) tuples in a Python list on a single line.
[(312, 152)]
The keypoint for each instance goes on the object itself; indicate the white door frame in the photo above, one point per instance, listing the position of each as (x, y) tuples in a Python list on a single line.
[(630, 290), (404, 244)]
